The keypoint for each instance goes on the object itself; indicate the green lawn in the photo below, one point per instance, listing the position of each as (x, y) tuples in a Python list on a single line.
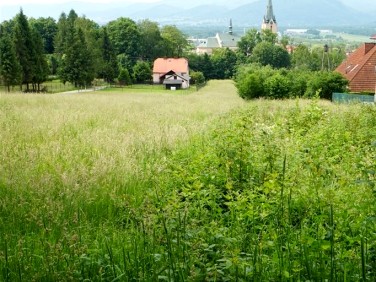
[(353, 38), (52, 86), (153, 186)]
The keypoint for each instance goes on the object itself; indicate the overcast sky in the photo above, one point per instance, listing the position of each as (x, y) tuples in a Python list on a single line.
[(23, 2)]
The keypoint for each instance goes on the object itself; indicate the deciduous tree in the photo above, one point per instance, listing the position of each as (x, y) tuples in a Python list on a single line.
[(47, 28), (142, 72), (175, 41), (125, 36), (151, 40)]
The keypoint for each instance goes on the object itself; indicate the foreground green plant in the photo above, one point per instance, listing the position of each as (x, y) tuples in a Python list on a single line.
[(286, 193), (109, 187)]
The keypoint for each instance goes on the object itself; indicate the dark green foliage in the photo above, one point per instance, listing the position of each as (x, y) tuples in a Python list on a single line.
[(254, 81), (142, 72), (151, 41), (39, 61), (53, 64), (325, 83), (249, 41), (224, 63), (174, 41), (202, 63), (124, 78), (263, 54), (268, 36), (301, 59), (77, 63), (109, 68), (24, 47), (197, 77), (266, 53), (125, 37), (251, 86), (316, 59), (277, 87), (10, 70), (47, 29), (62, 34), (266, 198)]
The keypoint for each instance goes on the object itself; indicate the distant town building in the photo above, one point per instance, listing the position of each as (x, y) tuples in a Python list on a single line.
[(295, 31), (220, 40), (230, 39), (360, 68), (269, 21)]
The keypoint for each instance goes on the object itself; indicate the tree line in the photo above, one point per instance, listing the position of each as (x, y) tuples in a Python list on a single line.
[(78, 50)]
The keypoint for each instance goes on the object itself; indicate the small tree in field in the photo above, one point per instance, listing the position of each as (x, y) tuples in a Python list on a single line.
[(124, 78), (197, 77), (142, 72)]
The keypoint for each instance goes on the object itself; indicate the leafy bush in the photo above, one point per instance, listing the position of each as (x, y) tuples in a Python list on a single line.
[(326, 83), (283, 83), (277, 87), (197, 77), (267, 196)]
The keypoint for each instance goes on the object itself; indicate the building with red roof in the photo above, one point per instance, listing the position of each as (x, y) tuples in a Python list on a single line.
[(172, 72), (360, 68)]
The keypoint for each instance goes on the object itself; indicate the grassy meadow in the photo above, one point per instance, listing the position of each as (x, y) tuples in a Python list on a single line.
[(137, 186)]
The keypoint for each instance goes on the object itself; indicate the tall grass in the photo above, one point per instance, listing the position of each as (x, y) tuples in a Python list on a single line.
[(115, 186), (75, 169)]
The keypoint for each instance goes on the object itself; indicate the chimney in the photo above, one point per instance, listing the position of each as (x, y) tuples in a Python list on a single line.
[(368, 47)]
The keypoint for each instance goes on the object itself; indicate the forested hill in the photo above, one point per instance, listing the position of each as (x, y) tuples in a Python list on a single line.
[(288, 12)]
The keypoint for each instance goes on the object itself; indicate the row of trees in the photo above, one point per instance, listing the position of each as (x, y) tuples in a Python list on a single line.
[(78, 50), (22, 58)]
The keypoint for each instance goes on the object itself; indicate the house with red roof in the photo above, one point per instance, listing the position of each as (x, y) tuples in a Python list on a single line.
[(360, 68), (172, 72)]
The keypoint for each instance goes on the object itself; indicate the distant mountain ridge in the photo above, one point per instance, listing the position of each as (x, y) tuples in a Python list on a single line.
[(289, 13)]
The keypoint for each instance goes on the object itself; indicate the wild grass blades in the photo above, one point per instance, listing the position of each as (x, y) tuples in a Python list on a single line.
[(75, 169), (141, 186)]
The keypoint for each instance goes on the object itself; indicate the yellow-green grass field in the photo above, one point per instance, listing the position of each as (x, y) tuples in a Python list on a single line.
[(117, 185)]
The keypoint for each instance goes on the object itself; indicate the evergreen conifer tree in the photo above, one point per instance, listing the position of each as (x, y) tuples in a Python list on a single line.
[(77, 62), (109, 70), (24, 48), (39, 61), (10, 69)]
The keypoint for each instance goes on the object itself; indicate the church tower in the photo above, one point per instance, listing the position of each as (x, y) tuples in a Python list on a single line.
[(269, 21)]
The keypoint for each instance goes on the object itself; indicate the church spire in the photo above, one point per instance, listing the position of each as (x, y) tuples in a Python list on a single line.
[(269, 21), (269, 16)]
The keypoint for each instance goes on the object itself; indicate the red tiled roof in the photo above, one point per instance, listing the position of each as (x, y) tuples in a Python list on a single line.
[(164, 65), (359, 68)]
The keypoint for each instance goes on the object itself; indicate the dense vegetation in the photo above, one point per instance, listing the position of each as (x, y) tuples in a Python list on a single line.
[(202, 187), (255, 81), (79, 51)]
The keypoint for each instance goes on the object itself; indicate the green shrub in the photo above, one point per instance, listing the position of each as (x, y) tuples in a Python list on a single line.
[(277, 87)]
